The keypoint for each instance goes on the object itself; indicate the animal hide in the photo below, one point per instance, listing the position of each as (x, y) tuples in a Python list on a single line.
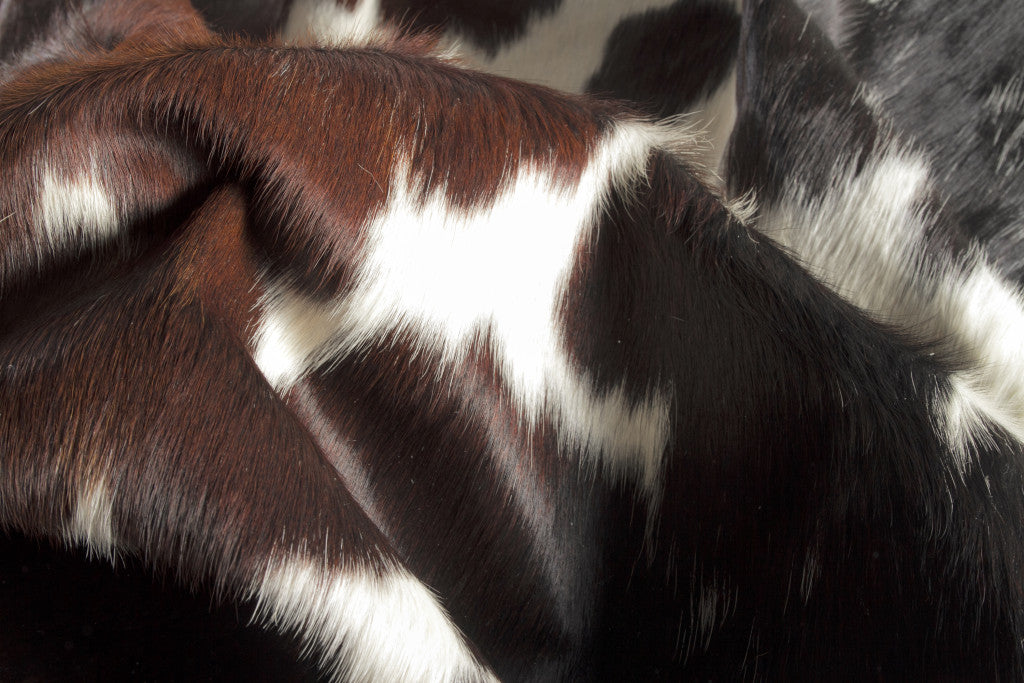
[(393, 340)]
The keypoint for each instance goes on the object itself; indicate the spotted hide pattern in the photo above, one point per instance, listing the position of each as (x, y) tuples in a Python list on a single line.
[(519, 340)]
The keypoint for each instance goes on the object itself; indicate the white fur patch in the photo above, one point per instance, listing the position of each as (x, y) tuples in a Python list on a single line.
[(91, 523), (328, 23), (866, 240), (986, 315), (862, 238), (72, 214), (291, 335), (448, 276), (365, 627), (960, 420), (561, 49)]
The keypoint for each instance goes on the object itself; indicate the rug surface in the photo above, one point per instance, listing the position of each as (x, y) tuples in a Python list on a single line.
[(396, 340)]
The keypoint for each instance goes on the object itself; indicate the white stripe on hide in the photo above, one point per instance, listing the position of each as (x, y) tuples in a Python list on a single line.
[(91, 523), (866, 239), (449, 276), (73, 214), (366, 628), (329, 23)]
